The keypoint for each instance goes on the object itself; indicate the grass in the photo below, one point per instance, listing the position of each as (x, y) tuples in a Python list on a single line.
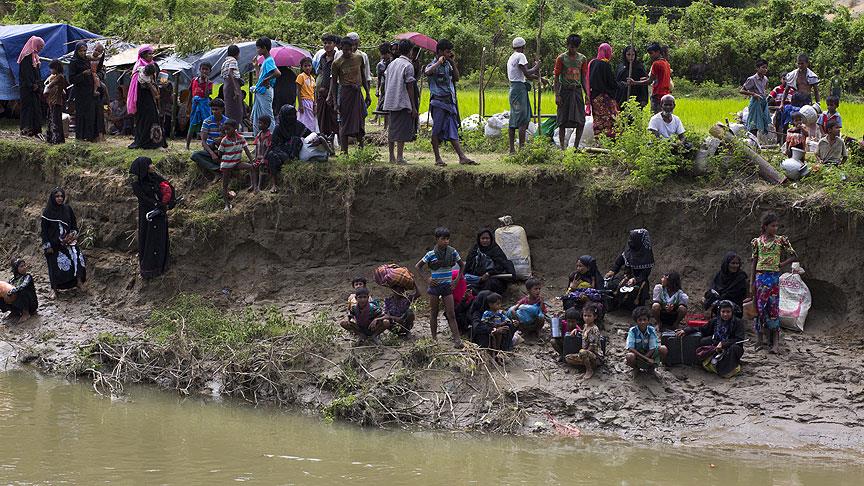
[(697, 114)]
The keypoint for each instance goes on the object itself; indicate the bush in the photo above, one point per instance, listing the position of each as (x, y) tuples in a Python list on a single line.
[(539, 150)]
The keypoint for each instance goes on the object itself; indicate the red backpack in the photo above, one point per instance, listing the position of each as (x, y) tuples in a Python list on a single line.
[(167, 194)]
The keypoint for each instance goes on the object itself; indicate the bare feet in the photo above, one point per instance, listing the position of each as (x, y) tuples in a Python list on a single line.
[(589, 372), (467, 161), (440, 163), (457, 343)]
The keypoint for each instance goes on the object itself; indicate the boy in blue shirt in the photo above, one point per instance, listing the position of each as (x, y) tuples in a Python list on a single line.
[(440, 261), (644, 351)]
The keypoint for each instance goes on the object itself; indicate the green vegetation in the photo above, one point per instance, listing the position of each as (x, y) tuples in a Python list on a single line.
[(198, 323), (709, 43)]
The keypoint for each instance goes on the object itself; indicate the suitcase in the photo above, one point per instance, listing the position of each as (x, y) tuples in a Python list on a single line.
[(680, 350), (572, 344)]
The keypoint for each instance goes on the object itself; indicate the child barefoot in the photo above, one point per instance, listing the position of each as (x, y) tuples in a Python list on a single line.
[(366, 320), (231, 150), (500, 327), (589, 355), (262, 146), (530, 322), (440, 261), (644, 351), (769, 249)]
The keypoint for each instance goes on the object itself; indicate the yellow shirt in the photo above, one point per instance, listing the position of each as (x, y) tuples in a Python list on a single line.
[(306, 86)]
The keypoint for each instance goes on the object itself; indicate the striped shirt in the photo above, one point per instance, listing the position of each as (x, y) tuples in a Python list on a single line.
[(444, 274), (212, 128), (231, 151)]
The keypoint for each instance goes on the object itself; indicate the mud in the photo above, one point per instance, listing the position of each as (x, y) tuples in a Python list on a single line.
[(298, 250)]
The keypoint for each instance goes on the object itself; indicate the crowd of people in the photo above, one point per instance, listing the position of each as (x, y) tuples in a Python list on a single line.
[(471, 295)]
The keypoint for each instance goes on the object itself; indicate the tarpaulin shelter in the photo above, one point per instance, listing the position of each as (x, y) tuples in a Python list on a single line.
[(216, 57), (59, 40)]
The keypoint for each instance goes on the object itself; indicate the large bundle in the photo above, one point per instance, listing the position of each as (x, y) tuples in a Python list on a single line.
[(393, 276), (514, 242), (795, 299)]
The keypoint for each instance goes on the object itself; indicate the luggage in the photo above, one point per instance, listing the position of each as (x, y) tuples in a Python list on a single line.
[(514, 242), (680, 350), (572, 344), (696, 320), (795, 299), (392, 275)]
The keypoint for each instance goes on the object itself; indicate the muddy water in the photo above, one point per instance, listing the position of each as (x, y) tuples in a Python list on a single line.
[(53, 431)]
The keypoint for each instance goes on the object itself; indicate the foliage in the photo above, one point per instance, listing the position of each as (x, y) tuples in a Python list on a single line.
[(709, 42), (539, 150), (360, 157), (192, 319)]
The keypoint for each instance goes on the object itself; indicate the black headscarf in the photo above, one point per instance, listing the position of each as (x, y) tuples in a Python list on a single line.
[(621, 75), (147, 181), (478, 306), (61, 212), (287, 126), (638, 254), (492, 251), (16, 262), (724, 280), (79, 64), (593, 272)]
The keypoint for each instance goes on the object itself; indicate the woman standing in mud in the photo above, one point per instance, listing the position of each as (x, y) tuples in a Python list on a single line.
[(66, 269), (152, 218)]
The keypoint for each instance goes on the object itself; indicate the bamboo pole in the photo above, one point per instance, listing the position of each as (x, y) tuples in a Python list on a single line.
[(630, 69), (481, 104), (540, 71)]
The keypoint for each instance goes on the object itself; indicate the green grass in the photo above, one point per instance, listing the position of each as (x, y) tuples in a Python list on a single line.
[(697, 114)]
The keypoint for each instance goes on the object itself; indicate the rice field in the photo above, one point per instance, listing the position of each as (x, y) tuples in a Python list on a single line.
[(696, 113)]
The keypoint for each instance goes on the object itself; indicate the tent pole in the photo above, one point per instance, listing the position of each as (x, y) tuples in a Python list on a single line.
[(174, 105)]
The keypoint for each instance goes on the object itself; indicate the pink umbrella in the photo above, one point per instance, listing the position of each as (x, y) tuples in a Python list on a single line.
[(288, 55), (419, 40)]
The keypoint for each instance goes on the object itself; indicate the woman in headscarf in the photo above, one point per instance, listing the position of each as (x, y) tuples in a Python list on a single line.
[(152, 218), (141, 103), (30, 83), (638, 72), (232, 94), (97, 66), (19, 295), (66, 266), (730, 283), (84, 91), (721, 347), (286, 143), (479, 332), (485, 260), (637, 260), (583, 287), (602, 90)]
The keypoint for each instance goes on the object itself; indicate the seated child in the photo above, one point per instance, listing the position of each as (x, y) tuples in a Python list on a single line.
[(723, 336), (572, 321), (670, 302), (796, 136), (262, 146), (832, 148), (529, 314), (497, 324), (644, 351), (357, 283), (18, 296), (231, 150), (398, 312), (366, 319), (589, 355)]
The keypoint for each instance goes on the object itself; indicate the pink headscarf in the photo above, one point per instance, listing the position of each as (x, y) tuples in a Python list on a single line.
[(132, 97), (33, 46), (604, 53)]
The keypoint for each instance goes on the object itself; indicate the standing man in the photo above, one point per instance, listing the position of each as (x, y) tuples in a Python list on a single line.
[(802, 80), (520, 106), (399, 102), (443, 74), (325, 111), (571, 70), (660, 78), (347, 71), (367, 71)]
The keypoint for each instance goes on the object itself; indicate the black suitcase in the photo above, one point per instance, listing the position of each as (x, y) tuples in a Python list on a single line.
[(680, 350), (572, 344)]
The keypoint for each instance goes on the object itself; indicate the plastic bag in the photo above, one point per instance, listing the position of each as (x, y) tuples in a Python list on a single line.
[(491, 132), (471, 122), (514, 242), (527, 314), (795, 299)]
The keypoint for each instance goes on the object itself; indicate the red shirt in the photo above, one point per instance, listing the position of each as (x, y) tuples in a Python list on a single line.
[(662, 74), (202, 90)]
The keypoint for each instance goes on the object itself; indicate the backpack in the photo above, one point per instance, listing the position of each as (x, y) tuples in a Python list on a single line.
[(167, 195), (391, 275)]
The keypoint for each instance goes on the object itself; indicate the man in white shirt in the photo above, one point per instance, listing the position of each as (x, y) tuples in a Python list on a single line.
[(520, 106), (665, 124)]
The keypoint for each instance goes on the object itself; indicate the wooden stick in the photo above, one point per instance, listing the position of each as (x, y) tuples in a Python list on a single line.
[(539, 71), (630, 70), (482, 102)]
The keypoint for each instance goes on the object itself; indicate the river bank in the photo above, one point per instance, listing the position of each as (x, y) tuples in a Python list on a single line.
[(293, 253)]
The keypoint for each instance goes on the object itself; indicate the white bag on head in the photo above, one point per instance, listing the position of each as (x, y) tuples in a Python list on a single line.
[(795, 299)]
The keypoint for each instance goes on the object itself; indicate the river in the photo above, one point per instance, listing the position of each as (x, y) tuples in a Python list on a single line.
[(54, 431)]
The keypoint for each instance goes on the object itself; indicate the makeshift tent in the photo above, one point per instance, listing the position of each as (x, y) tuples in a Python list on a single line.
[(59, 40)]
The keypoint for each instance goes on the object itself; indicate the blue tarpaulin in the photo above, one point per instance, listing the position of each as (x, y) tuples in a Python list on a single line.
[(59, 40)]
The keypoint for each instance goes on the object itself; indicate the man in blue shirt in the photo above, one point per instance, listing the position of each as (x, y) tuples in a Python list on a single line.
[(211, 133), (643, 346), (442, 74)]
